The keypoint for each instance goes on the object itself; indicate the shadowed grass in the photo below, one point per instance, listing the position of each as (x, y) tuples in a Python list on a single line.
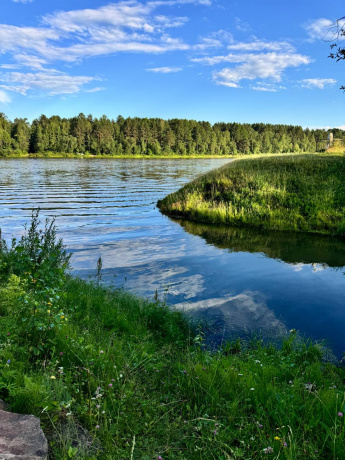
[(290, 192)]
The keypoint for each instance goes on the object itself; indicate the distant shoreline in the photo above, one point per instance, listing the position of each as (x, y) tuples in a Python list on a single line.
[(150, 157)]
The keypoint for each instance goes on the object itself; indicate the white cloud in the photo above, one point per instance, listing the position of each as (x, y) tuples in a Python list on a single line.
[(9, 66), (52, 82), (165, 69), (253, 66), (34, 39), (4, 97), (22, 1), (319, 83), (264, 88), (30, 61), (71, 36), (327, 127)]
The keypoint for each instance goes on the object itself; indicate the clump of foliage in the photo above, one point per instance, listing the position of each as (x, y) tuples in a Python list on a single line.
[(126, 378), (295, 192)]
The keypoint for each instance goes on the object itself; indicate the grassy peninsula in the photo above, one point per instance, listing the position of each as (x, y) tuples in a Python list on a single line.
[(284, 192), (113, 376)]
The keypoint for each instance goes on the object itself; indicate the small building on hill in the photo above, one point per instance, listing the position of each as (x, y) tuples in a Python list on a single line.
[(330, 140)]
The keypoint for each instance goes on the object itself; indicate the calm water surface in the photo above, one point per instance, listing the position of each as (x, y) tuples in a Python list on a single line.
[(240, 280)]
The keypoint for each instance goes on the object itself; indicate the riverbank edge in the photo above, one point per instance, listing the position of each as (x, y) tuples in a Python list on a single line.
[(176, 204), (159, 157)]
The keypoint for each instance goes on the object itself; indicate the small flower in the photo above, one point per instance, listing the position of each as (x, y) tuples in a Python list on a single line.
[(285, 444), (159, 457), (97, 427), (101, 352), (103, 411), (62, 316), (53, 377), (8, 361), (184, 371), (61, 353), (215, 432), (8, 333), (268, 450), (277, 438), (252, 389), (110, 385), (260, 426), (98, 406), (340, 414), (69, 413), (48, 303), (292, 331), (48, 311)]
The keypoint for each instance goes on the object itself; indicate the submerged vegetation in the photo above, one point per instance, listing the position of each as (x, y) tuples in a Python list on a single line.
[(291, 192), (85, 135), (113, 376)]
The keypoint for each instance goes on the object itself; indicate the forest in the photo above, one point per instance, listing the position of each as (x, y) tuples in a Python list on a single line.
[(82, 135)]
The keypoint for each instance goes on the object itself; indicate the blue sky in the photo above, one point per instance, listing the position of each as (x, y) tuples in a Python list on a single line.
[(216, 60)]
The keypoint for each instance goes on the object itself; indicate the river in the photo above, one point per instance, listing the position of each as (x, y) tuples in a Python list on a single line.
[(237, 281)]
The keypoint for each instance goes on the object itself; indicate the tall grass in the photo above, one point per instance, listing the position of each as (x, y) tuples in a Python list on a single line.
[(113, 376), (290, 192)]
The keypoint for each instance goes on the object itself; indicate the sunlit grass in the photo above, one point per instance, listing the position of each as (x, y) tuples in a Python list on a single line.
[(287, 192)]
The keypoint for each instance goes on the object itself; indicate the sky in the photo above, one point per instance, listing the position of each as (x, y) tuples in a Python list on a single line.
[(216, 60)]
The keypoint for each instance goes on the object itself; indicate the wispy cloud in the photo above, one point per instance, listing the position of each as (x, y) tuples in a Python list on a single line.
[(261, 45), (319, 83), (52, 82), (165, 69), (22, 1), (95, 90), (242, 26)]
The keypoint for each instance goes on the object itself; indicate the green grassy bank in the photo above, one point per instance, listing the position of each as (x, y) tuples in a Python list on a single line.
[(286, 192), (113, 376)]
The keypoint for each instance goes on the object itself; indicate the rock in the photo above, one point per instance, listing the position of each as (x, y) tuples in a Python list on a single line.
[(21, 437), (3, 405)]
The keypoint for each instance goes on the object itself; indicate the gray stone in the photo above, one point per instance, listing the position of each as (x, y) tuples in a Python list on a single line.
[(3, 405), (21, 437)]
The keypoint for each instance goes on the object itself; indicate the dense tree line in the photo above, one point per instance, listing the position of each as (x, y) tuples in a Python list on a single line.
[(153, 136)]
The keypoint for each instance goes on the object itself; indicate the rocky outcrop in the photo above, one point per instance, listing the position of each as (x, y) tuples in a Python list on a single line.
[(21, 437)]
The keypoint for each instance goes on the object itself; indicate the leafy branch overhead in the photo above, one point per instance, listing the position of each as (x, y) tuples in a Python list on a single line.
[(338, 51)]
